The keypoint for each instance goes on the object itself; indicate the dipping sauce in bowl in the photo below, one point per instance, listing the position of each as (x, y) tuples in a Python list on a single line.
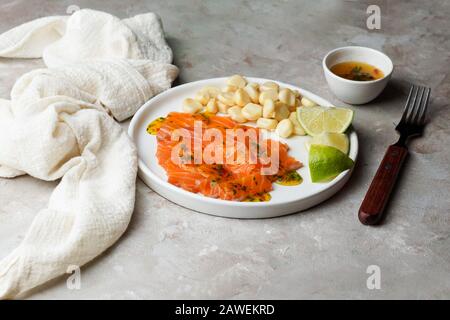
[(357, 75), (357, 71)]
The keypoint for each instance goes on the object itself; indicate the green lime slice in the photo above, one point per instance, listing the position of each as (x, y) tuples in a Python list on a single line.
[(326, 162), (338, 140), (317, 120)]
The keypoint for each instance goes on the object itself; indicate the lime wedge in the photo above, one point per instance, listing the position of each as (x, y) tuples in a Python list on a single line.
[(326, 162), (338, 140), (317, 120)]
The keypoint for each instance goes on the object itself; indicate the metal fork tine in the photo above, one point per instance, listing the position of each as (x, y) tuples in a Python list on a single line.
[(425, 107), (418, 107), (405, 110), (412, 106)]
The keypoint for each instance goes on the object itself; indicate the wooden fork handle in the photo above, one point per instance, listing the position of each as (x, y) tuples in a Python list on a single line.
[(380, 189)]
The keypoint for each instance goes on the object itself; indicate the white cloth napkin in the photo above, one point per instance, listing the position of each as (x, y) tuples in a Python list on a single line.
[(58, 125)]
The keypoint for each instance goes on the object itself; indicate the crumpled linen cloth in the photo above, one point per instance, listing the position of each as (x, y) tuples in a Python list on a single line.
[(59, 124)]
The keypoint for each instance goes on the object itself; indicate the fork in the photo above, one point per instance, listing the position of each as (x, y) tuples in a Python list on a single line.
[(411, 124)]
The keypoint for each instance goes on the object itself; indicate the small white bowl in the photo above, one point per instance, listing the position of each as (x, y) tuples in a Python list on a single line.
[(357, 92)]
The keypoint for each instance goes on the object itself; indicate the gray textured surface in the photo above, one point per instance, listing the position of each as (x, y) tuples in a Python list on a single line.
[(172, 252)]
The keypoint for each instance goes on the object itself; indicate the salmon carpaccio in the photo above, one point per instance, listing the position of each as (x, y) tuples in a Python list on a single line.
[(224, 179)]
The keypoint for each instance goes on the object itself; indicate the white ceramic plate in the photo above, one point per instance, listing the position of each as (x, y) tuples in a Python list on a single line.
[(285, 199)]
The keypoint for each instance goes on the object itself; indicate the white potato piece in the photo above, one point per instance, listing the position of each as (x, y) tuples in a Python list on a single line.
[(287, 97), (271, 94), (252, 111), (236, 114), (241, 97), (285, 128), (236, 81), (294, 107), (226, 98), (222, 107), (254, 85), (297, 104), (307, 103), (230, 89), (269, 124), (202, 97), (191, 105), (211, 106), (298, 129), (281, 111), (252, 92), (269, 85), (269, 109), (211, 91)]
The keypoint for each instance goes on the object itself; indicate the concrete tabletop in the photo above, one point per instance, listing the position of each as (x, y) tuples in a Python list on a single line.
[(171, 252)]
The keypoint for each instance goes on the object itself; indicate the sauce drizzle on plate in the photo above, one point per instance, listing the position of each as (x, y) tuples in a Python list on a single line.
[(262, 197), (291, 178), (154, 126)]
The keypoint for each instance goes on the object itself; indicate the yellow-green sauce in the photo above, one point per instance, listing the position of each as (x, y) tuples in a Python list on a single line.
[(291, 178), (154, 126), (263, 197)]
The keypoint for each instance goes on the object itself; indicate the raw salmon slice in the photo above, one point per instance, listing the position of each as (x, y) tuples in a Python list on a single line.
[(222, 178)]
